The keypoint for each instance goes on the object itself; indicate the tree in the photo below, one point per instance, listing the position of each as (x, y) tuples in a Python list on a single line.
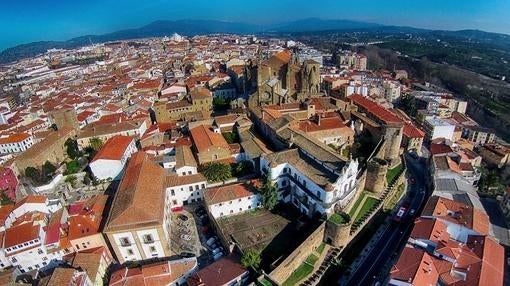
[(72, 167), (251, 259), (216, 172), (71, 180), (96, 143), (48, 168), (72, 148), (269, 193), (33, 174)]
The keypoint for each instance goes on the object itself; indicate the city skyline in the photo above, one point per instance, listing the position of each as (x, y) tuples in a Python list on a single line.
[(60, 20)]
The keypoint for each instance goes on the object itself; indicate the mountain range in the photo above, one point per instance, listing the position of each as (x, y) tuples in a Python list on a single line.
[(199, 27)]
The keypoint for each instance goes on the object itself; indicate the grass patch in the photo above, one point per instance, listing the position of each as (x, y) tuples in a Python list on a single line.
[(311, 259), (321, 247), (395, 197), (392, 173), (369, 203), (357, 203), (264, 282), (337, 219), (299, 274)]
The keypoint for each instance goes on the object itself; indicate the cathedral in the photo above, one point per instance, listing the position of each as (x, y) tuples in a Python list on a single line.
[(282, 79)]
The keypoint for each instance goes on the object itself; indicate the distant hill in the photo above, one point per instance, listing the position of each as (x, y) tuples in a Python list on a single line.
[(199, 27), (314, 24)]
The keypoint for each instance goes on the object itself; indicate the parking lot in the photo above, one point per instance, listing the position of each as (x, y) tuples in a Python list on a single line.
[(192, 235)]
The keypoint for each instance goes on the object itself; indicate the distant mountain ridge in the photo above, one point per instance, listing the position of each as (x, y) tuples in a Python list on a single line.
[(198, 27)]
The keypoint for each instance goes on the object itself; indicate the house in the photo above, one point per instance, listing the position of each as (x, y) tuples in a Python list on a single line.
[(329, 130), (95, 263), (434, 256), (182, 190), (106, 130), (138, 224), (8, 182), (495, 154), (15, 143), (312, 184), (69, 276), (111, 158), (51, 149), (232, 199), (168, 273), (209, 145), (226, 271)]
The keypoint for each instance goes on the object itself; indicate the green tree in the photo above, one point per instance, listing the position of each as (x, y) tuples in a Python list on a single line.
[(230, 137), (71, 180), (216, 172), (33, 174), (72, 167), (72, 148), (269, 193), (251, 259), (96, 143)]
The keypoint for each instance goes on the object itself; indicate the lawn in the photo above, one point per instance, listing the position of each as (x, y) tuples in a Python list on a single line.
[(321, 247), (264, 282), (356, 204), (299, 274), (311, 259), (337, 219), (369, 203), (392, 173), (393, 200)]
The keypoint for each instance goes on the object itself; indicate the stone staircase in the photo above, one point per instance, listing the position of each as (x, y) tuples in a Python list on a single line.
[(316, 276)]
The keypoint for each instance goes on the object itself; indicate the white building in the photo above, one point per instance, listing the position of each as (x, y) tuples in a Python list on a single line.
[(184, 190), (111, 158), (311, 185), (15, 143), (231, 200), (438, 128)]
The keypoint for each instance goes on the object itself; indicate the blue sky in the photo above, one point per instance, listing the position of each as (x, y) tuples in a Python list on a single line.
[(23, 21)]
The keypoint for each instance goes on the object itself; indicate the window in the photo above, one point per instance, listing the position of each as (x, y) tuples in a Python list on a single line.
[(191, 188), (152, 249), (124, 241), (239, 200), (130, 252), (189, 172), (39, 251), (240, 209), (231, 211), (249, 207), (203, 186), (172, 192), (30, 268), (148, 238), (196, 187), (45, 258), (44, 263), (220, 204), (183, 173), (14, 260), (221, 214), (37, 266)]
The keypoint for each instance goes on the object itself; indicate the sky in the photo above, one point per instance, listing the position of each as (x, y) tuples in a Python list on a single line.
[(35, 20)]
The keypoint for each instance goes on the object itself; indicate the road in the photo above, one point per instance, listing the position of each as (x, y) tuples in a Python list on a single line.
[(396, 234)]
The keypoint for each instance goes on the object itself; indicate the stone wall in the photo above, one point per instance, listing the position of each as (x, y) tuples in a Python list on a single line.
[(337, 235), (298, 256), (376, 176)]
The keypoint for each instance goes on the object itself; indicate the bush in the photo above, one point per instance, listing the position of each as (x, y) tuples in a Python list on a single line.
[(216, 172), (72, 167)]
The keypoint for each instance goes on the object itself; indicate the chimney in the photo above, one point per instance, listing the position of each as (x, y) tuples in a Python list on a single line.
[(319, 119), (263, 114)]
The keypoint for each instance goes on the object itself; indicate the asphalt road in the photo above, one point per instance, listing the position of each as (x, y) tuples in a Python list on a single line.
[(396, 234)]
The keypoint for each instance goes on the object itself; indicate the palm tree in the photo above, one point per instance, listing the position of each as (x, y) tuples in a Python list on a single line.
[(96, 143)]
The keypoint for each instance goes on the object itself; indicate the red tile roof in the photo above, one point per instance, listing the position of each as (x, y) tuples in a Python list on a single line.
[(227, 193), (375, 109), (204, 138), (14, 138), (412, 131), (21, 233), (218, 273), (114, 148)]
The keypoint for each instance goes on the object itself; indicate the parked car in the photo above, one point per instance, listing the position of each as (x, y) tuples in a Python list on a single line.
[(210, 241), (183, 217), (216, 250), (187, 254), (218, 255), (185, 237)]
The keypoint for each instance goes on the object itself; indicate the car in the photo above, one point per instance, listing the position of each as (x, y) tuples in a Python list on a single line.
[(218, 256), (216, 250), (187, 254), (183, 217), (185, 237), (400, 214), (411, 212), (210, 241)]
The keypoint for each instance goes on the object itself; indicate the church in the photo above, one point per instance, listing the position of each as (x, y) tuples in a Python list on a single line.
[(282, 79)]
